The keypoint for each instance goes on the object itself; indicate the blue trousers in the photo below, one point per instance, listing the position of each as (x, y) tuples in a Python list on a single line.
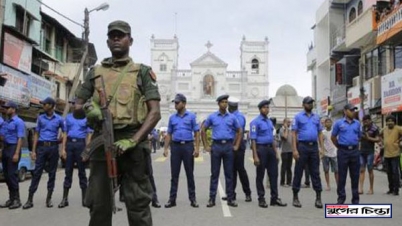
[(239, 169), (221, 152), (10, 168), (74, 150), (268, 162), (182, 153), (348, 160), (45, 155), (308, 154)]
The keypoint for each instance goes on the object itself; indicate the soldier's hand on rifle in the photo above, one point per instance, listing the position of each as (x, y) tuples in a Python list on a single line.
[(124, 145), (93, 113)]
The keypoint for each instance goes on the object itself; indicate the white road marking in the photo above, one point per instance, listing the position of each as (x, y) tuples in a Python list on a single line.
[(225, 207)]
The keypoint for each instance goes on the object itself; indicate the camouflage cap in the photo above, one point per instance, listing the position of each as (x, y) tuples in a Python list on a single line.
[(119, 25)]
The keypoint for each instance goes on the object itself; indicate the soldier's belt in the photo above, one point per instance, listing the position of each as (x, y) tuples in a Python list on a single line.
[(348, 147), (183, 142), (74, 140), (310, 143), (270, 145)]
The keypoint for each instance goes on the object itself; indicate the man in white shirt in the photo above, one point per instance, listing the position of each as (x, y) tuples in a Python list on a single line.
[(329, 156)]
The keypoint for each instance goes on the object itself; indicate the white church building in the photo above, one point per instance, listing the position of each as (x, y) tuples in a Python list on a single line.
[(208, 77)]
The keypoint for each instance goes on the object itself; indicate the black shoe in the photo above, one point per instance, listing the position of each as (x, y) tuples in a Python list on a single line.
[(211, 203), (248, 198), (232, 203), (225, 198), (277, 202), (318, 203), (16, 203), (156, 204), (194, 204), (395, 193), (63, 203), (170, 204), (262, 204), (49, 203), (7, 204), (296, 203), (389, 192), (29, 204)]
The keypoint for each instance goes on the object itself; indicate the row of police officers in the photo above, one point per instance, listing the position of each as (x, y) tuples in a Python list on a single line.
[(45, 151)]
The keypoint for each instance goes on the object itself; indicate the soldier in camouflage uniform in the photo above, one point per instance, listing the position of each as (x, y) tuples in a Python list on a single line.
[(134, 104)]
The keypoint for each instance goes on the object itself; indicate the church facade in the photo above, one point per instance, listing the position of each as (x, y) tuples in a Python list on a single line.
[(208, 77)]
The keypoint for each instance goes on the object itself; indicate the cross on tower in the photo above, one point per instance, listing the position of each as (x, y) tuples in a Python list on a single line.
[(208, 45)]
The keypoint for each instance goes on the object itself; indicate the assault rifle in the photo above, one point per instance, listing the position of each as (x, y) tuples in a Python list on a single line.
[(107, 140)]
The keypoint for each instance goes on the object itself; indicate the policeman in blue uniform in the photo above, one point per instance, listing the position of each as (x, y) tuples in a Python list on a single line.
[(306, 131), (238, 167), (45, 150), (264, 149), (13, 132), (226, 136), (183, 129), (345, 136), (77, 136)]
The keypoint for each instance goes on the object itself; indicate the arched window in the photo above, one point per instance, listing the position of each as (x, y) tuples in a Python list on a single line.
[(255, 65), (208, 85), (163, 62), (360, 8), (352, 14)]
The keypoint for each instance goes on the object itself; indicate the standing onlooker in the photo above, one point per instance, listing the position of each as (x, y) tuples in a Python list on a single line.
[(306, 130), (264, 149), (226, 136), (370, 136), (329, 157), (345, 136), (392, 135), (13, 132), (45, 150), (182, 131), (286, 155), (78, 134)]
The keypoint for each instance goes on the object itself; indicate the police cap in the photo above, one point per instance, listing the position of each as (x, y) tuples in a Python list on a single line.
[(263, 103), (350, 107), (119, 25), (11, 104), (48, 100), (233, 101), (308, 100), (222, 97), (179, 98)]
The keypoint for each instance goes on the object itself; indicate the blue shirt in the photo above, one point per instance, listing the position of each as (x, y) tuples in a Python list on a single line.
[(76, 128), (224, 126), (262, 130), (13, 129), (48, 128), (181, 127), (242, 120), (348, 133), (307, 127)]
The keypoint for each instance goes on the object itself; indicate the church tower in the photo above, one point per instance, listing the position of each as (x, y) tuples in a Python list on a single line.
[(254, 61)]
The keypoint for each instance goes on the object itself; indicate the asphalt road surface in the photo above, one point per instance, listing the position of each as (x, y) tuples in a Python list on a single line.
[(246, 214)]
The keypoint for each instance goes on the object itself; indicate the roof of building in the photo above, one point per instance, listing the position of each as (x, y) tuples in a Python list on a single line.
[(286, 90)]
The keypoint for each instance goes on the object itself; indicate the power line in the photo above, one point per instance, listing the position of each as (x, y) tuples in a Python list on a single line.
[(65, 17)]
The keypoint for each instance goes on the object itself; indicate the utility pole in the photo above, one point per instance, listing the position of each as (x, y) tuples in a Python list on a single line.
[(86, 40), (2, 2), (361, 87)]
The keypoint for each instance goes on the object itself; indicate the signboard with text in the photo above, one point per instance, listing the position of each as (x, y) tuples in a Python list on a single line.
[(17, 53), (16, 88), (40, 88), (391, 92)]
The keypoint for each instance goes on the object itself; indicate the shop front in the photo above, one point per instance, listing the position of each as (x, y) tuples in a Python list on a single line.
[(391, 95)]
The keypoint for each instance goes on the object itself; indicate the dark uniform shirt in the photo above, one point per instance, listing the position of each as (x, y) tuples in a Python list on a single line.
[(76, 128), (372, 131), (222, 125), (307, 127), (48, 127), (13, 129), (181, 127), (261, 130), (148, 84), (348, 133)]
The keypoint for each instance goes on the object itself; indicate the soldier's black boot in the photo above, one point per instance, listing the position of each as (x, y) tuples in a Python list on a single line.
[(83, 194), (64, 201), (16, 203), (9, 201), (318, 203), (296, 202), (29, 204), (49, 203)]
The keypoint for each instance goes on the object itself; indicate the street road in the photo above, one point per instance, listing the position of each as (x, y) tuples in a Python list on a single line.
[(245, 214)]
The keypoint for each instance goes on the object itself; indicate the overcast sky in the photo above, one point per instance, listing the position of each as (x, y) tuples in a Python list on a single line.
[(287, 24)]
